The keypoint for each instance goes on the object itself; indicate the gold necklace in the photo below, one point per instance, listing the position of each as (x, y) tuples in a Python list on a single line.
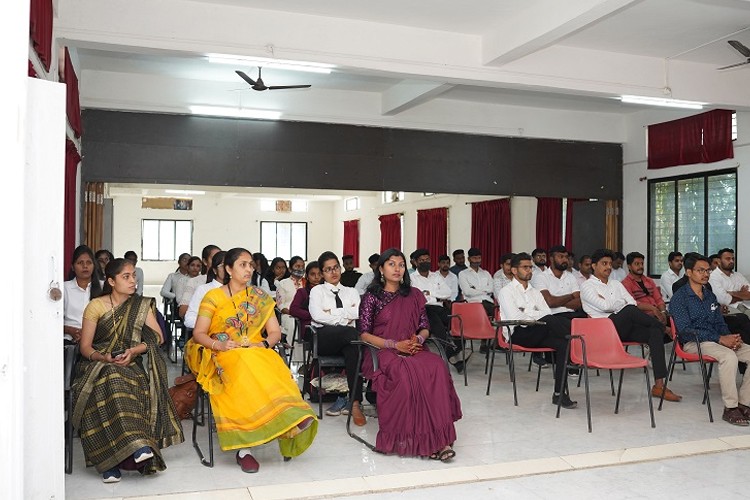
[(114, 318)]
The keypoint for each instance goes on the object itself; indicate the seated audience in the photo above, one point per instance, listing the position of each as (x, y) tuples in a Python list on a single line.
[(261, 268), (193, 283), (82, 286), (412, 262), (476, 283), (417, 403), (277, 271), (671, 275), (459, 261), (502, 276), (194, 280), (584, 269), (618, 271), (606, 298), (139, 279), (715, 261), (300, 306), (173, 281), (643, 289), (521, 301), (451, 279), (214, 279), (253, 396), (103, 257), (285, 293), (436, 293), (349, 277), (335, 309), (559, 288), (731, 288), (121, 405), (364, 281), (697, 315), (539, 257)]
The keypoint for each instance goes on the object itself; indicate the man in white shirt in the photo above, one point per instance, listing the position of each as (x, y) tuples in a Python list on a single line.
[(584, 269), (364, 281), (444, 263), (476, 283), (603, 297), (672, 274), (520, 300), (502, 276), (169, 287), (558, 287), (731, 288), (334, 309), (619, 272), (539, 256)]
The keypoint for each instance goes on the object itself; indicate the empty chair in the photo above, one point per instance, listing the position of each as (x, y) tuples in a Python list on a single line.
[(469, 321)]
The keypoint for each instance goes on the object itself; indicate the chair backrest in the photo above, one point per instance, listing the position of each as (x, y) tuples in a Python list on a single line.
[(476, 324), (603, 345)]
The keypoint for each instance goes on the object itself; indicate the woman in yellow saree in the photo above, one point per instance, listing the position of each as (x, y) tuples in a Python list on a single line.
[(253, 395)]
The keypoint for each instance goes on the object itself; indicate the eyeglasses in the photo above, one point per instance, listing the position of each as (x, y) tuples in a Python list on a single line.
[(333, 269), (703, 270)]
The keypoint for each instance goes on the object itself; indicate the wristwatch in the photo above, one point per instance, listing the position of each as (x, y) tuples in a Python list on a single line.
[(265, 343)]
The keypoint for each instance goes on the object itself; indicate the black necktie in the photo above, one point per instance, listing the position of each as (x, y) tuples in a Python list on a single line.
[(339, 304)]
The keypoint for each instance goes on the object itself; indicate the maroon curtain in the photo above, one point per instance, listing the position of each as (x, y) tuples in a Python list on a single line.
[(717, 135), (702, 138), (72, 105), (40, 30), (490, 231), (351, 239), (432, 232), (390, 231), (548, 222), (72, 159), (32, 71)]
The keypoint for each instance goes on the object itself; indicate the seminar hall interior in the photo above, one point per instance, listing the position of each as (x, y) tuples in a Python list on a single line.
[(506, 126)]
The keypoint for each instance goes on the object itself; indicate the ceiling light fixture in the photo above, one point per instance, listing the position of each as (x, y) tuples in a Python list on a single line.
[(265, 62), (262, 114), (662, 101), (183, 191)]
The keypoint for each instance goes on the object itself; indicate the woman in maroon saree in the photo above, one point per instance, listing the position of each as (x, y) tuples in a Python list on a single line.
[(417, 403)]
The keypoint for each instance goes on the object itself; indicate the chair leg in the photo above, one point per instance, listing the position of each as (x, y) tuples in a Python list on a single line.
[(68, 434), (588, 394), (357, 380), (491, 345), (650, 399), (706, 397), (619, 390), (612, 382), (670, 372), (320, 391), (463, 357), (539, 376), (512, 370), (205, 421)]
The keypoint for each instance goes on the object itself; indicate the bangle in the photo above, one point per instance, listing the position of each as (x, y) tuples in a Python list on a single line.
[(266, 344), (420, 339), (212, 345), (390, 344), (92, 355)]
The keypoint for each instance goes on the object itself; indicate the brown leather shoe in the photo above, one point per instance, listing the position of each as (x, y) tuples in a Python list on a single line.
[(357, 415), (735, 417), (745, 410), (668, 394)]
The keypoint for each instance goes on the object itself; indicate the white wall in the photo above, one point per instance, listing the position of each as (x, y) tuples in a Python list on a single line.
[(635, 186), (220, 219), (522, 210)]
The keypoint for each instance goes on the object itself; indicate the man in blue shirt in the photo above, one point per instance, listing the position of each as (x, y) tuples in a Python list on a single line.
[(697, 315)]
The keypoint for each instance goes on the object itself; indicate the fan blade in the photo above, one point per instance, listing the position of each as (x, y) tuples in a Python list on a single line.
[(281, 87), (245, 77), (735, 65), (739, 47)]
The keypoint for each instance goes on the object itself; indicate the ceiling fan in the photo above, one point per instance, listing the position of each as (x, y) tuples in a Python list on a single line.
[(260, 86), (742, 49)]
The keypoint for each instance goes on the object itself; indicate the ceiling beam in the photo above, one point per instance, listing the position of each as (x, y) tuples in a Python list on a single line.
[(409, 93), (543, 25)]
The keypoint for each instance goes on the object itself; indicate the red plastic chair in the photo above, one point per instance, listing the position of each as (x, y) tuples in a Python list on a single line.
[(595, 344), (509, 347), (688, 357), (469, 321)]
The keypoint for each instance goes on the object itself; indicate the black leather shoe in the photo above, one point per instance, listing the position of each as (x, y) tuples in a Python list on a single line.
[(567, 403)]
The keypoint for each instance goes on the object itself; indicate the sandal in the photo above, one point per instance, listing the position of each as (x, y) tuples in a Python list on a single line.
[(735, 417), (443, 455)]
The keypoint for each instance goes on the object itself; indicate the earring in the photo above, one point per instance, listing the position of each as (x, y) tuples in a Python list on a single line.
[(401, 280), (382, 280)]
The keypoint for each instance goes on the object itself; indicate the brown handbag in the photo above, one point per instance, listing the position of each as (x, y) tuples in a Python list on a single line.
[(183, 395)]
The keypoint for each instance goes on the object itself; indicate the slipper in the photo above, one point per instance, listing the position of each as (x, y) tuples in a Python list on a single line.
[(444, 455)]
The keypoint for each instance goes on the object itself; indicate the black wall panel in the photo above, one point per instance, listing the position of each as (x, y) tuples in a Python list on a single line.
[(177, 149)]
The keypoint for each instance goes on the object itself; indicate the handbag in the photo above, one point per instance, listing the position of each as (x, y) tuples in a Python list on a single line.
[(183, 394)]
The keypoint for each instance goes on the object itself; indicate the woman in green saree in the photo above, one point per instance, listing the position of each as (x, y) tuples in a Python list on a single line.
[(123, 410)]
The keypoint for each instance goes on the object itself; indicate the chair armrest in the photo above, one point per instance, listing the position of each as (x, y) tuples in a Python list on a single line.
[(372, 348), (314, 335)]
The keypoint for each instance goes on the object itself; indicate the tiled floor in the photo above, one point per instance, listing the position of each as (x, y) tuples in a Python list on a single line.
[(501, 449)]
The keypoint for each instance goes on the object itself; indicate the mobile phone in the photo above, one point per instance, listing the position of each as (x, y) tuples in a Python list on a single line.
[(117, 353)]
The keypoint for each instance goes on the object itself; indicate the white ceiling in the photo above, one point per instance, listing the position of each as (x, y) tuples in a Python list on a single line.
[(393, 56)]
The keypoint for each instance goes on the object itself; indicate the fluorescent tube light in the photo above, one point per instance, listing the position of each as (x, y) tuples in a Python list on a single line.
[(662, 101), (262, 114), (183, 191), (308, 67)]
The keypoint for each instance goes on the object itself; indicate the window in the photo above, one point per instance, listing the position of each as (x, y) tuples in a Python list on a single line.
[(165, 239), (691, 214), (392, 196), (351, 204), (283, 239)]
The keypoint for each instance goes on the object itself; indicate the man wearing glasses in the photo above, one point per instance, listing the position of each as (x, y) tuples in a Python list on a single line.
[(697, 316)]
